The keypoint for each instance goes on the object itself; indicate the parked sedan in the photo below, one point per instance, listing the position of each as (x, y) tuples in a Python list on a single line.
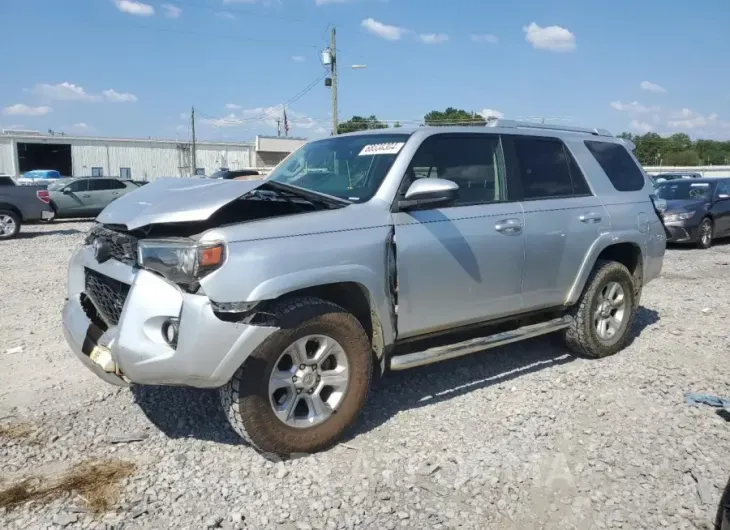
[(698, 209), (86, 196), (663, 177)]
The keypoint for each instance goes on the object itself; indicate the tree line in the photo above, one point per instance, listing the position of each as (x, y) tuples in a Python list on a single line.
[(651, 149)]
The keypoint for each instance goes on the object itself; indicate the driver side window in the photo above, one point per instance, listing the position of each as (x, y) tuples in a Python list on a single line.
[(723, 188), (473, 162), (78, 186)]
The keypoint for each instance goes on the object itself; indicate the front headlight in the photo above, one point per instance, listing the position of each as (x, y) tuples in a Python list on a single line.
[(670, 217), (180, 260)]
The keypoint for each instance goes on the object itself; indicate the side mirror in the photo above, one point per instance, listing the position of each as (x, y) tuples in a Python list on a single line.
[(429, 191), (66, 191)]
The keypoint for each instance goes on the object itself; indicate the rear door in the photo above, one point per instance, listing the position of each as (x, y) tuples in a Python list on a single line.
[(562, 216), (100, 193), (117, 188)]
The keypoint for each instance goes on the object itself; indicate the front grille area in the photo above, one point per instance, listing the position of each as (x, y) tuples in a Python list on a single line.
[(107, 294), (122, 247)]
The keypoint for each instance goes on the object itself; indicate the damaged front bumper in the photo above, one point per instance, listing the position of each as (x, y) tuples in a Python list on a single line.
[(206, 353)]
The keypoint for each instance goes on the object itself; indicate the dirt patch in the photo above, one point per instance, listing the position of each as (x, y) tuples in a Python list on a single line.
[(97, 483), (16, 431)]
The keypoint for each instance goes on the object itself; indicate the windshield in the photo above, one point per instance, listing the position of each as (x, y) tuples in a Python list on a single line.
[(348, 167), (683, 190)]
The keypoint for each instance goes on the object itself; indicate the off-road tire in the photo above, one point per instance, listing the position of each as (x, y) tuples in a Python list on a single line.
[(245, 398), (701, 244), (14, 216), (582, 337)]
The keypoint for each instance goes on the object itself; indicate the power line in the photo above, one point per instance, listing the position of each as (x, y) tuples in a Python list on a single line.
[(277, 108)]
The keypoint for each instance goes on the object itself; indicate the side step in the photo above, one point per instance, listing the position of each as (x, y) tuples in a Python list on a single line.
[(441, 353)]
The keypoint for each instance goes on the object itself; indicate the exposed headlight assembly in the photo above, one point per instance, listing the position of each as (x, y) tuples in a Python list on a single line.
[(683, 216), (180, 260)]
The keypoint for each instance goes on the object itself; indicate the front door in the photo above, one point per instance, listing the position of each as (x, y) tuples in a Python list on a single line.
[(562, 216), (70, 201), (721, 208), (459, 264)]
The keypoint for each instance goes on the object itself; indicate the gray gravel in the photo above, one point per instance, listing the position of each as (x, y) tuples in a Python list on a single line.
[(522, 437)]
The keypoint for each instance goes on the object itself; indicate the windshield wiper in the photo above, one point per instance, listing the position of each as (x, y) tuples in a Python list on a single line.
[(314, 196)]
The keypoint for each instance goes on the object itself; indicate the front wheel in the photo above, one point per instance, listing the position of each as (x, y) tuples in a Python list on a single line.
[(9, 224), (603, 316), (305, 384), (704, 234)]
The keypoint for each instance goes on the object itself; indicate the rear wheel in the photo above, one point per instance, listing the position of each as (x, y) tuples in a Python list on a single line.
[(305, 384), (704, 234), (603, 316), (9, 224)]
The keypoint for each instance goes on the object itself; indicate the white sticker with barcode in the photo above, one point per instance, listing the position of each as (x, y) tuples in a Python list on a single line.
[(392, 148)]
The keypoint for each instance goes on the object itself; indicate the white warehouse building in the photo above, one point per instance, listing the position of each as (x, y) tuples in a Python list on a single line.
[(138, 159)]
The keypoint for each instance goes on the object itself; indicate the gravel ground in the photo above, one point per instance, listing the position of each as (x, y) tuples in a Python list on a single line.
[(518, 438)]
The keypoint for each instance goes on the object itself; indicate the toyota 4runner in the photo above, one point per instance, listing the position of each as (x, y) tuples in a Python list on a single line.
[(359, 253)]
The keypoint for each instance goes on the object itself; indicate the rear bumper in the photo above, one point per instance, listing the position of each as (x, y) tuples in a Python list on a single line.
[(208, 350)]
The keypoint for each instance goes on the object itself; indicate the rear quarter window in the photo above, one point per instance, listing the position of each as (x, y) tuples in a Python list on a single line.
[(618, 164)]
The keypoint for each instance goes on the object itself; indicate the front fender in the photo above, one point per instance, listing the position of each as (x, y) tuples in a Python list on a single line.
[(599, 245), (370, 281)]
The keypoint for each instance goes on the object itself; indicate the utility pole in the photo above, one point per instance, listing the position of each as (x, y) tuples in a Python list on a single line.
[(333, 69), (193, 162)]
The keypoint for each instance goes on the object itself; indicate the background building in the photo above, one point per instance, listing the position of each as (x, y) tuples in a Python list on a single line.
[(139, 159)]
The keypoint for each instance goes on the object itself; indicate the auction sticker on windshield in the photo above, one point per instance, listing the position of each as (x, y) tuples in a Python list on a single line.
[(700, 185), (392, 148)]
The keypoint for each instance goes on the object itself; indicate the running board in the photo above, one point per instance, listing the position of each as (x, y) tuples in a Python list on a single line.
[(441, 353)]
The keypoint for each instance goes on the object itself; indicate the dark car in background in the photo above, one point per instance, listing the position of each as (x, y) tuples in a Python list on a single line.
[(698, 209), (663, 177), (235, 174)]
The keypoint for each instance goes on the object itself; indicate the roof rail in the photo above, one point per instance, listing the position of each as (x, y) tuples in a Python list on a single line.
[(514, 124)]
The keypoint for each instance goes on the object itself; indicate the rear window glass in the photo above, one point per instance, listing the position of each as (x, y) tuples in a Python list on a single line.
[(618, 165)]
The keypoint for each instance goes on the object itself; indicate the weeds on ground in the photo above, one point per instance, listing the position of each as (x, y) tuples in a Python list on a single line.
[(95, 482), (16, 431)]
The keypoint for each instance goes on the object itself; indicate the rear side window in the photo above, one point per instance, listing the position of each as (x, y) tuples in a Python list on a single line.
[(547, 169), (618, 165), (116, 185), (98, 184)]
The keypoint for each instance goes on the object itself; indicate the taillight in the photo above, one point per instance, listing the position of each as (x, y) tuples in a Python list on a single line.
[(43, 196)]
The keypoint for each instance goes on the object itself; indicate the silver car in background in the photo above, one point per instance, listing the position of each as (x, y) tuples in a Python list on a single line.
[(362, 252)]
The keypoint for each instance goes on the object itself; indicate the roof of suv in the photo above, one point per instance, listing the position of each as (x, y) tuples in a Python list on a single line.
[(506, 126)]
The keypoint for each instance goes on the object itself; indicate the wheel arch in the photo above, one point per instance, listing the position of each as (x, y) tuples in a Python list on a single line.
[(353, 296), (11, 208), (628, 253)]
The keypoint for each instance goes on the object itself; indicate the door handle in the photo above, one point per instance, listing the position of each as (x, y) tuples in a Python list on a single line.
[(590, 218), (509, 226), (86, 196)]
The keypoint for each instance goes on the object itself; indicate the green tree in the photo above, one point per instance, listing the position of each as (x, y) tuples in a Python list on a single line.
[(396, 125), (358, 123), (678, 150), (452, 116)]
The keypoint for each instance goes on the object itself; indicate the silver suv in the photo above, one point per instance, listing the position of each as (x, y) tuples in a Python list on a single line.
[(359, 253)]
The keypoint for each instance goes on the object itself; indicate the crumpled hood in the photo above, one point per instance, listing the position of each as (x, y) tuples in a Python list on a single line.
[(174, 200)]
